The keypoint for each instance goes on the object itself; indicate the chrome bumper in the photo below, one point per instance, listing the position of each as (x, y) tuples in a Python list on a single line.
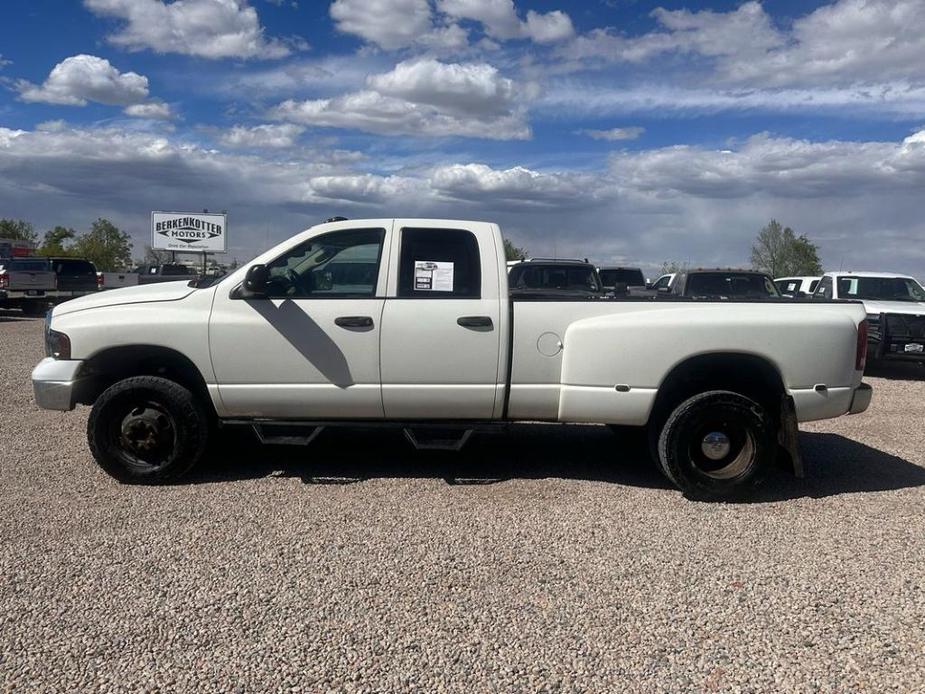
[(861, 399), (54, 383)]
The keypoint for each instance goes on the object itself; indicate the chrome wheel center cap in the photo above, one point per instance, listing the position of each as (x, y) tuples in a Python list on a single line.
[(715, 445)]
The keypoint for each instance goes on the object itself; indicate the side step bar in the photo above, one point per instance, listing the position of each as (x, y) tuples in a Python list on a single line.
[(424, 436), (437, 438), (286, 434)]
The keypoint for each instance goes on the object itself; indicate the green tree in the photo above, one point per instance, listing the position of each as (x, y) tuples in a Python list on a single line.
[(512, 252), (779, 252), (18, 230), (105, 245), (55, 240)]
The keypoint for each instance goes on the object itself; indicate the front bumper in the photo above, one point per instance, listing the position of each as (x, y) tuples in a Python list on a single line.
[(861, 399), (55, 383)]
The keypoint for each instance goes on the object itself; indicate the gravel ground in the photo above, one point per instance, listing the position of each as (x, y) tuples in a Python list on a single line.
[(550, 559)]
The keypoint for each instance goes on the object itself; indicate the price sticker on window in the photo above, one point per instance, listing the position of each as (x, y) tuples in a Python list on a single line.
[(433, 276)]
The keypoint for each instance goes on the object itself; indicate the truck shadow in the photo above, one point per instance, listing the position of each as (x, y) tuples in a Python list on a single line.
[(897, 370), (834, 464), (8, 315)]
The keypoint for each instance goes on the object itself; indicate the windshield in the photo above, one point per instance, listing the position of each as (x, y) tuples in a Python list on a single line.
[(741, 285), (880, 288), (577, 277), (628, 276)]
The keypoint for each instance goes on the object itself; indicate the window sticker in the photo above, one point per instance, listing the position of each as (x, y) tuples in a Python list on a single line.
[(433, 276)]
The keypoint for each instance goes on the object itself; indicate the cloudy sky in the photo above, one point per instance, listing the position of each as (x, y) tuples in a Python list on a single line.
[(620, 130)]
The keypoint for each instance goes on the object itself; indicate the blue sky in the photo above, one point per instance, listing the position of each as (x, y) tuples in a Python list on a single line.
[(620, 130)]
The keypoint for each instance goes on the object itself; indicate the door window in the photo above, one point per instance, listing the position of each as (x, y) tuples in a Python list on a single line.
[(338, 264), (824, 290), (439, 264)]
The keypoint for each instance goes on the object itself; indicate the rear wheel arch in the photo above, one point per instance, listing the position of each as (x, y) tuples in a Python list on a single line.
[(748, 374)]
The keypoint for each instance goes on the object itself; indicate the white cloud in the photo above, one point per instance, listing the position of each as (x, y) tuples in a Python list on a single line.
[(464, 88), (389, 24), (425, 98), (82, 78), (745, 31), (861, 201), (266, 135), (614, 133), (517, 184), (155, 110), (777, 166), (500, 21), (849, 42), (594, 98), (394, 24), (206, 28)]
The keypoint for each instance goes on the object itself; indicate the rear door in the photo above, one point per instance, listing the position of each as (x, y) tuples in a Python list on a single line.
[(442, 323)]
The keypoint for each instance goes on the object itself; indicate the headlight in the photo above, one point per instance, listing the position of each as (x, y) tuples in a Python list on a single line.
[(57, 345), (873, 317)]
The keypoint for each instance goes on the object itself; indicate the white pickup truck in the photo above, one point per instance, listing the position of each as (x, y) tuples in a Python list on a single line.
[(895, 306), (410, 322)]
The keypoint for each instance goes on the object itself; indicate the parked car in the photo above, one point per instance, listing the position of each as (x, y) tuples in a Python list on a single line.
[(895, 307), (434, 339), (619, 280), (76, 277), (576, 278), (168, 272), (724, 285), (663, 284), (797, 287), (116, 280), (26, 283)]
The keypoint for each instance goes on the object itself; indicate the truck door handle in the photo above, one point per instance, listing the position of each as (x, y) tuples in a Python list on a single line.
[(475, 322), (354, 321)]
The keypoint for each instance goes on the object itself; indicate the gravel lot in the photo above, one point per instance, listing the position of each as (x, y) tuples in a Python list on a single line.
[(550, 559)]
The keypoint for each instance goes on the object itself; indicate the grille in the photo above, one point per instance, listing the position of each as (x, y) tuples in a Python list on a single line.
[(908, 326)]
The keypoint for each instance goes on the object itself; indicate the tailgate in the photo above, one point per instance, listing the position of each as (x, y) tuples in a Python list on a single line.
[(24, 280)]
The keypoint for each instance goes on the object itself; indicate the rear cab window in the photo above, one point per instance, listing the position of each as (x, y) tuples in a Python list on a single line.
[(628, 276), (439, 264), (730, 284), (30, 265), (73, 266)]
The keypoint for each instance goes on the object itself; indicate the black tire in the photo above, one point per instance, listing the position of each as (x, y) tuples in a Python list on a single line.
[(746, 445), (147, 430)]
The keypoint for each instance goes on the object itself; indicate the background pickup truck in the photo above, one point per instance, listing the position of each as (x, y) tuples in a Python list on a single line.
[(27, 284), (168, 272), (76, 277), (895, 306), (410, 321)]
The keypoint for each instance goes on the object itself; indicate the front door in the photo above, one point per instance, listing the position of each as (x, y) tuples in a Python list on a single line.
[(311, 348), (441, 326)]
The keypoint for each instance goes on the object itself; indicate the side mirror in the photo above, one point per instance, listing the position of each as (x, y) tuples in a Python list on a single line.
[(649, 285), (256, 279)]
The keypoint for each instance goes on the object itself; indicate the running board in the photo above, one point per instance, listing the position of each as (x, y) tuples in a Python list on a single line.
[(286, 434), (437, 438)]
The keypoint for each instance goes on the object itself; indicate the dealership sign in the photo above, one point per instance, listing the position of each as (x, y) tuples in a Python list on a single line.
[(199, 232)]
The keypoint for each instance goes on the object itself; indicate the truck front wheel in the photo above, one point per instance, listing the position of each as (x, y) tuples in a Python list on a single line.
[(147, 430), (717, 445)]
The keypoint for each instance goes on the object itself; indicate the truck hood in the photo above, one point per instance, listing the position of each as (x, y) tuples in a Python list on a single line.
[(164, 291), (916, 308)]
